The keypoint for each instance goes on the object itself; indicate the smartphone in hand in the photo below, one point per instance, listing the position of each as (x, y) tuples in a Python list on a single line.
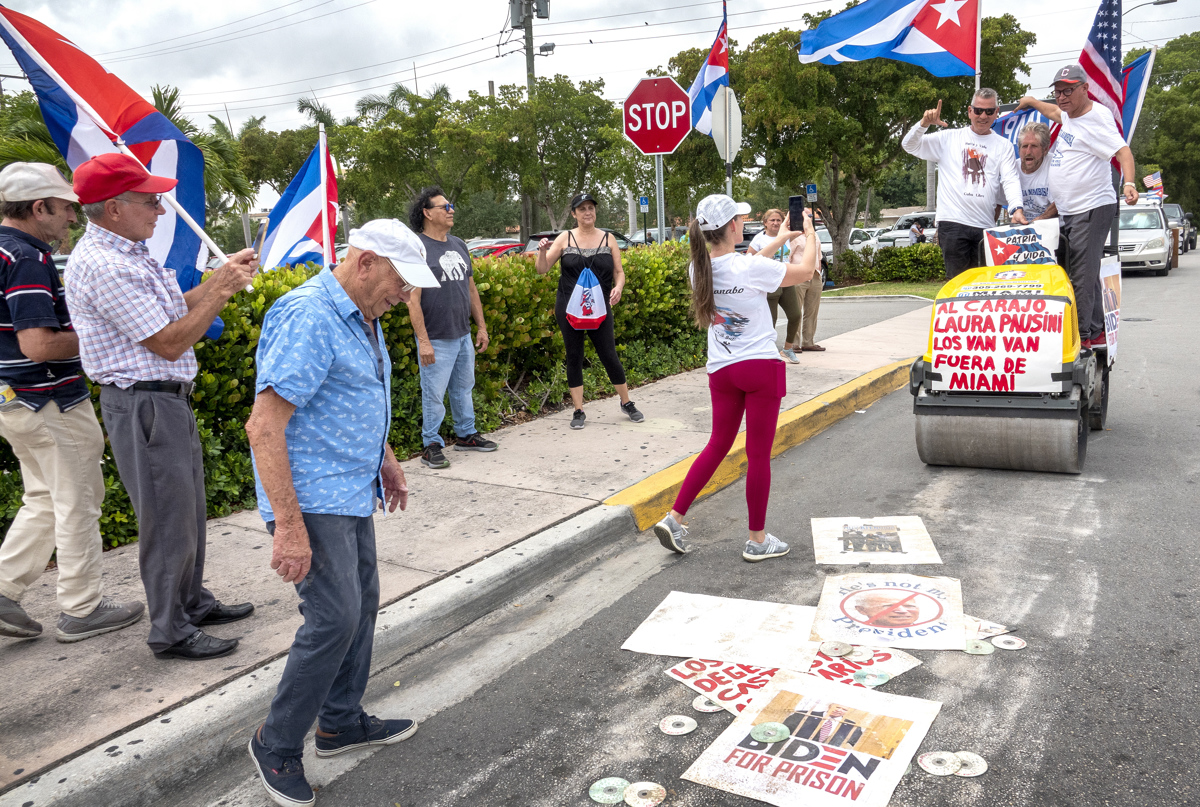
[(796, 212)]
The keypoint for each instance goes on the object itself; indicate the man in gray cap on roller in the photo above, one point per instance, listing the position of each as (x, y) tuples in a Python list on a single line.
[(1081, 186), (46, 416), (322, 466)]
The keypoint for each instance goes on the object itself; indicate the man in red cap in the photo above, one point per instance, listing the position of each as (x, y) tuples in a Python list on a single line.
[(136, 331)]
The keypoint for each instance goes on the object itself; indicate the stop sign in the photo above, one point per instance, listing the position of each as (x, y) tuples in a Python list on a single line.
[(658, 115)]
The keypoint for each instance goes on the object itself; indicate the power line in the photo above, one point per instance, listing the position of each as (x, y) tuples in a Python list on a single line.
[(206, 30)]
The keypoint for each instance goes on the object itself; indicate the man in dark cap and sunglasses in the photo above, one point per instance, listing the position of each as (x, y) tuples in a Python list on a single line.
[(974, 163), (1081, 185)]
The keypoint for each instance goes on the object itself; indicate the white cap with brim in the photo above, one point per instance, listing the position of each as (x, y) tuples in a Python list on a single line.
[(394, 241), (28, 182), (715, 211)]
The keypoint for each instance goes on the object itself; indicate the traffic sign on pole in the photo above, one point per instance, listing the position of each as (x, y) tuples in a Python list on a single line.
[(727, 130), (656, 117), (644, 203), (811, 190)]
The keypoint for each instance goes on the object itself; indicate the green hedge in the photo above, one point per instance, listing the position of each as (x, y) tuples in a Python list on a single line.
[(913, 264), (522, 370)]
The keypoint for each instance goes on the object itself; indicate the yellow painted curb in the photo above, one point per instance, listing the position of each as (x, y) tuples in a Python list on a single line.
[(654, 495)]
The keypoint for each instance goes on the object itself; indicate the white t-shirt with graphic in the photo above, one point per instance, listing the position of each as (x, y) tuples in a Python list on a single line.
[(1035, 190), (760, 241), (1080, 179), (743, 329), (973, 170)]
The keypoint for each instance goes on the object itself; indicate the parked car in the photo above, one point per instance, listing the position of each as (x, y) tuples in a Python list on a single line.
[(650, 236), (1145, 240), (495, 250), (485, 242), (60, 263), (859, 240), (531, 246), (1177, 218), (898, 236)]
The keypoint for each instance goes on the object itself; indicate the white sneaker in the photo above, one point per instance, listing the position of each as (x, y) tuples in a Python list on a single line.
[(772, 547)]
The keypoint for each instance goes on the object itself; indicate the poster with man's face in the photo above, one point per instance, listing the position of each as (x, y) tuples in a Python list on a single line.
[(840, 745), (891, 610), (887, 540)]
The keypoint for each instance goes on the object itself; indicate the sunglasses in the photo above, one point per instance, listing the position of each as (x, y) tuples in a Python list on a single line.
[(979, 110), (449, 208), (1065, 93)]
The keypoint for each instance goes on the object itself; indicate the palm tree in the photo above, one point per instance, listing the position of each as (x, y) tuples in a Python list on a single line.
[(24, 136), (223, 175)]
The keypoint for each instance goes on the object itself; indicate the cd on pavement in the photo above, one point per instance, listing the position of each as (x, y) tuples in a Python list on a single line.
[(703, 704), (835, 649), (677, 724), (1008, 642), (861, 653), (871, 678), (644, 794), (770, 732), (940, 763), (972, 764), (978, 647), (608, 791)]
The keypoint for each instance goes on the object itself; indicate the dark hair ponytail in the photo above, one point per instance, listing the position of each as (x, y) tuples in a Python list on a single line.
[(704, 306)]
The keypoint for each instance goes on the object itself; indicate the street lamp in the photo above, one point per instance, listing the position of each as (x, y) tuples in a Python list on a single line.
[(1153, 3), (547, 48)]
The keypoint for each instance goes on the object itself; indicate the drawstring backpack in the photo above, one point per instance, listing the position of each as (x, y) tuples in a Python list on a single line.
[(586, 309)]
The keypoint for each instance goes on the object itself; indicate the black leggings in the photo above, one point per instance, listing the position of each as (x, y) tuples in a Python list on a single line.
[(602, 340)]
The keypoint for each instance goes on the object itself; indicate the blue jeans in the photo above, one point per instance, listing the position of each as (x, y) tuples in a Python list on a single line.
[(453, 371), (327, 667)]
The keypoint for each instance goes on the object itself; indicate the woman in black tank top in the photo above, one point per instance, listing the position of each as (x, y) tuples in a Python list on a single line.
[(586, 246)]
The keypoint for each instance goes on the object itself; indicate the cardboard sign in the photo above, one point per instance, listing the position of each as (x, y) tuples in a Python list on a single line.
[(847, 745), (883, 540), (1110, 293), (733, 686), (891, 610), (763, 634), (1022, 244), (998, 345)]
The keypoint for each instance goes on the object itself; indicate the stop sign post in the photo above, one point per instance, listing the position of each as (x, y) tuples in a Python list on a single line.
[(657, 117)]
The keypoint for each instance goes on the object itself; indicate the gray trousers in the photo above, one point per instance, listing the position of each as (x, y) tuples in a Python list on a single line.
[(1087, 233), (157, 449)]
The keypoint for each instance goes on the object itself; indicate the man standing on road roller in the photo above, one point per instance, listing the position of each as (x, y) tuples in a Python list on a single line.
[(1081, 186), (974, 161)]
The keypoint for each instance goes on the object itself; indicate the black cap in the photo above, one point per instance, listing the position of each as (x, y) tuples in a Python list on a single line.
[(580, 199)]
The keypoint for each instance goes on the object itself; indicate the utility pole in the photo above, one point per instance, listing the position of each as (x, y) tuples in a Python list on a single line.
[(528, 211)]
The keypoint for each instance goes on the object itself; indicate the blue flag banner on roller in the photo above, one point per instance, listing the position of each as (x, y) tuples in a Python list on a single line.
[(937, 35), (713, 73), (1011, 124)]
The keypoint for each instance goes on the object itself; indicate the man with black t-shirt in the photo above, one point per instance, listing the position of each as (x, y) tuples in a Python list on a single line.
[(50, 423), (441, 319)]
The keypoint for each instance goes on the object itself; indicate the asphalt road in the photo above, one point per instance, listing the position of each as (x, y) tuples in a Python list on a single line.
[(1096, 572)]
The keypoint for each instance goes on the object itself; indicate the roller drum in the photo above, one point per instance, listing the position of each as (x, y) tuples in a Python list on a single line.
[(1057, 445)]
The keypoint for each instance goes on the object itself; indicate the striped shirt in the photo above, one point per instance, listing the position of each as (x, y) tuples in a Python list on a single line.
[(32, 297), (119, 297)]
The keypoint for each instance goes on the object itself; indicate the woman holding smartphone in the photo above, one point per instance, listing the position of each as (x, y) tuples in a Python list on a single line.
[(745, 373), (784, 297)]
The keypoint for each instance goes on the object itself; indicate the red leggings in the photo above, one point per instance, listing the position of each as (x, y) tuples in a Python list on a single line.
[(754, 387)]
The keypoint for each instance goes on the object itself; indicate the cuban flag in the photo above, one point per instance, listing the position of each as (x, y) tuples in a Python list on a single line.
[(713, 73), (1135, 79), (586, 310), (88, 110), (302, 225), (940, 36), (1011, 124)]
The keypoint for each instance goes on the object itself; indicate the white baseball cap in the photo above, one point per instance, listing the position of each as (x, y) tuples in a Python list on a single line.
[(715, 211), (394, 241), (28, 182)]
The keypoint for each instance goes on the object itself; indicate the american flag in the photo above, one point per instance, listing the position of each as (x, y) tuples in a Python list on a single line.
[(1154, 180), (1101, 59)]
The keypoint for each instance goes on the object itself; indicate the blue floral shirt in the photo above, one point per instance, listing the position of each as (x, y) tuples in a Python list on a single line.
[(315, 353)]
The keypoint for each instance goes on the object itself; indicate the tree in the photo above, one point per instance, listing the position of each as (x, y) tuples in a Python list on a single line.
[(1169, 127)]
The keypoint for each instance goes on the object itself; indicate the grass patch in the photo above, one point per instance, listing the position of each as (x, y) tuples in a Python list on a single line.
[(927, 289)]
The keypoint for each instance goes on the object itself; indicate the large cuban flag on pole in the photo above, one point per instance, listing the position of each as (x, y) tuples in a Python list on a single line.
[(89, 111), (714, 73), (939, 35), (302, 224)]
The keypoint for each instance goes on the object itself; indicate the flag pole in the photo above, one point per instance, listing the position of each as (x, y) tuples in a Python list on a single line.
[(978, 42), (326, 247)]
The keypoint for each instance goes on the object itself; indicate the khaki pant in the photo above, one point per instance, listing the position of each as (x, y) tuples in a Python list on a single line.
[(785, 297), (60, 466), (809, 295)]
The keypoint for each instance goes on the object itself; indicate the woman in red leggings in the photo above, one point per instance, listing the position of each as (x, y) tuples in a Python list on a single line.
[(745, 373)]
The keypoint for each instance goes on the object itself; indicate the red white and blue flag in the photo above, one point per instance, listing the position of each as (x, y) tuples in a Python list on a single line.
[(714, 73), (586, 310), (1122, 90), (937, 35), (87, 110), (294, 230), (1011, 124)]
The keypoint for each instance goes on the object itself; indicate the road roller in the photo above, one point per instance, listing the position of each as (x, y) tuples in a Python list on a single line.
[(1004, 382)]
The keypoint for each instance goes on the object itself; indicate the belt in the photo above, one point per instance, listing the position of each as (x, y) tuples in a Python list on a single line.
[(175, 387)]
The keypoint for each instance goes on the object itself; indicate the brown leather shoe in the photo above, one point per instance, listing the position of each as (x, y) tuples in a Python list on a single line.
[(812, 347)]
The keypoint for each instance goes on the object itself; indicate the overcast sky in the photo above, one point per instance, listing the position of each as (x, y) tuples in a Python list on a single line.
[(258, 56)]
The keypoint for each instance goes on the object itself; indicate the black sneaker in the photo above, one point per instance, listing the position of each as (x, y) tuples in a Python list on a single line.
[(369, 731), (631, 410), (283, 777), (475, 442), (433, 456), (577, 421)]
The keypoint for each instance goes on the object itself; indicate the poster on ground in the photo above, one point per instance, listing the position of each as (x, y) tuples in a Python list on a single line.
[(733, 686), (763, 634), (881, 541), (891, 610), (1110, 293), (983, 628), (844, 745)]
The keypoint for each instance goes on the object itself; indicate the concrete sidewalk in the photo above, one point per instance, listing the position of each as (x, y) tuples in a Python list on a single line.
[(66, 699)]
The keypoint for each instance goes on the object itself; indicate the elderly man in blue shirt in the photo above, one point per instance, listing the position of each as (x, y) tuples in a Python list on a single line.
[(321, 460)]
